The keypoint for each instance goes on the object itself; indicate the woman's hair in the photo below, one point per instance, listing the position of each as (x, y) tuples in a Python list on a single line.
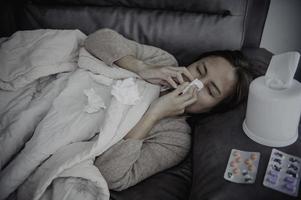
[(244, 77)]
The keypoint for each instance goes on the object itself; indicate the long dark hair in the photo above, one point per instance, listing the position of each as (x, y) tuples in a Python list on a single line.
[(244, 76)]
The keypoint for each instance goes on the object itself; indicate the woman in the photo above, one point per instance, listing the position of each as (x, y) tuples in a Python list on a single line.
[(161, 138)]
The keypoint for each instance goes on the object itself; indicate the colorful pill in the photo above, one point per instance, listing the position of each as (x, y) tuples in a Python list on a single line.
[(236, 171), (253, 156), (273, 173), (248, 162), (251, 168), (236, 153), (289, 187), (248, 179), (276, 168), (294, 160), (233, 164), (290, 180), (292, 173), (277, 160), (278, 154), (244, 172), (271, 180), (294, 167), (230, 175), (238, 159)]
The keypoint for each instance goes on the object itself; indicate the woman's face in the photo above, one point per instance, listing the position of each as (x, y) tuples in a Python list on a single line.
[(219, 79)]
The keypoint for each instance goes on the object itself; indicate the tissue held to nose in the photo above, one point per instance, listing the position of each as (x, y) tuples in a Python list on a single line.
[(195, 82)]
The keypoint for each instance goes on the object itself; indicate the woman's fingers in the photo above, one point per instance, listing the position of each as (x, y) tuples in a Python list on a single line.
[(171, 82), (175, 75), (190, 102), (178, 72), (184, 70), (192, 98), (180, 78), (163, 75), (180, 88), (189, 94)]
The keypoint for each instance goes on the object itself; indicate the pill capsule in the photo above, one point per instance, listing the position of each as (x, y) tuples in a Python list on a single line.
[(294, 167), (238, 159), (271, 180), (289, 187), (233, 164), (253, 156), (290, 180), (273, 173), (292, 173), (293, 160), (230, 175), (248, 162), (278, 154), (236, 153), (251, 167), (248, 179), (244, 172), (277, 160), (276, 168), (236, 171)]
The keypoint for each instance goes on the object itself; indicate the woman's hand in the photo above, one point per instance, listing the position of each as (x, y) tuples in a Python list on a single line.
[(173, 103), (165, 75), (159, 75)]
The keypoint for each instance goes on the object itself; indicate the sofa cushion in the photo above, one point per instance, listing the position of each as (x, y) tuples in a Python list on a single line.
[(213, 138), (184, 29)]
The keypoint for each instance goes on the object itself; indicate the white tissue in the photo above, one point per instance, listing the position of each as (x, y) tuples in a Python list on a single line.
[(195, 82), (95, 102), (126, 91), (281, 70)]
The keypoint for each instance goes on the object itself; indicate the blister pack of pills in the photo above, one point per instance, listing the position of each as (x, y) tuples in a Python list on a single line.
[(283, 173), (242, 166)]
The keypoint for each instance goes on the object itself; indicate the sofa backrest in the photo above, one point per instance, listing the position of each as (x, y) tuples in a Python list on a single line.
[(184, 28)]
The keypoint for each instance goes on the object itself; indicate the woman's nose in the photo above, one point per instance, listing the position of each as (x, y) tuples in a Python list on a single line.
[(204, 80)]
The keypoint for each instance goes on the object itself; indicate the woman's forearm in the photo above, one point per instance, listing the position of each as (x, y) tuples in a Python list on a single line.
[(142, 128), (131, 63), (111, 47)]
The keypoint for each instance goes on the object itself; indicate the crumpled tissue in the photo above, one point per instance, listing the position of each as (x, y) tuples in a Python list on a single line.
[(126, 91), (95, 102)]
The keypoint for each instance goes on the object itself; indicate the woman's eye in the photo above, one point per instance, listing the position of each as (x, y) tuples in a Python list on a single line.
[(200, 71), (209, 91)]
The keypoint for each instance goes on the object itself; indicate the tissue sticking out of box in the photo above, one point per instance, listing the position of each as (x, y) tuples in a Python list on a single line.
[(195, 82), (281, 70)]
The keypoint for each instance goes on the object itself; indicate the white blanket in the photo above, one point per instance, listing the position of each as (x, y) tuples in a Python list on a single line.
[(25, 97), (61, 151)]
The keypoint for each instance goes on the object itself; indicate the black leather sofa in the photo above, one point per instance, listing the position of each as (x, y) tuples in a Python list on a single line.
[(186, 29)]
